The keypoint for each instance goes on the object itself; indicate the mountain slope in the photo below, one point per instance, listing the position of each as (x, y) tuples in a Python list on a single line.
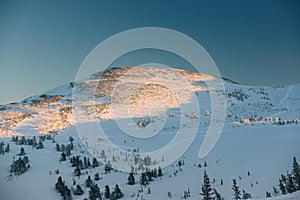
[(260, 133)]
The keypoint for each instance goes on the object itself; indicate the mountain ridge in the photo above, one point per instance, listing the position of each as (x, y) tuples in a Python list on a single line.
[(58, 103)]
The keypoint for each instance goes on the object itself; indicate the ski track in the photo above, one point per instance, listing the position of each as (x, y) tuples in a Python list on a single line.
[(286, 94), (281, 101)]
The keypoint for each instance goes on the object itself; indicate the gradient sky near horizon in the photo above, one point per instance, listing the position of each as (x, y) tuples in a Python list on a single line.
[(43, 43)]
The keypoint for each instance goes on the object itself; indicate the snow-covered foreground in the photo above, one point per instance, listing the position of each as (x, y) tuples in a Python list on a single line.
[(265, 152)]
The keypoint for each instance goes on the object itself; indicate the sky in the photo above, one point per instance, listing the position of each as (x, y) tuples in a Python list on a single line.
[(43, 43)]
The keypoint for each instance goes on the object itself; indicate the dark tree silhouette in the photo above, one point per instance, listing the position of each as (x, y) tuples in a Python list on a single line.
[(206, 189)]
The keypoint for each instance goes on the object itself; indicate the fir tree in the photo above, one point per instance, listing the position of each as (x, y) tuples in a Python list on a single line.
[(22, 152), (34, 143), (246, 195), (88, 163), (296, 173), (159, 172), (94, 193), (143, 179), (284, 179), (60, 187), (117, 194), (108, 167), (71, 145), (275, 191), (268, 194), (67, 195), (217, 195), (155, 173), (26, 159), (106, 192), (63, 156), (7, 148), (67, 150), (97, 177), (63, 147), (206, 189), (88, 182), (77, 171), (148, 175), (71, 139), (169, 194), (103, 154), (236, 190), (290, 186), (131, 180), (58, 147), (40, 145), (95, 163), (85, 162), (282, 187)]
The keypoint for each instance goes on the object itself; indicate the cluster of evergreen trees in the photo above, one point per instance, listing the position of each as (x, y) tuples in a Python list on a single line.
[(238, 94), (20, 166), (77, 162), (186, 194), (94, 190), (81, 165), (237, 192), (199, 165), (288, 183), (4, 150), (145, 176), (65, 149), (31, 141), (141, 162), (209, 193), (63, 189)]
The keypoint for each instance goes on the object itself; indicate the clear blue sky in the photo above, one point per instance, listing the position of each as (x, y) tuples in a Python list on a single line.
[(42, 43)]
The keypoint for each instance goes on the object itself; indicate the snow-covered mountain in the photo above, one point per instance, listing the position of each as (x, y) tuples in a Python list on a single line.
[(260, 135)]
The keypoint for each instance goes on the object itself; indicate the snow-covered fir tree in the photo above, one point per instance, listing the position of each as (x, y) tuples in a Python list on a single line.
[(206, 190), (116, 194), (246, 195), (296, 173), (131, 179), (106, 192), (217, 195), (78, 190), (236, 190), (88, 182), (94, 193)]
